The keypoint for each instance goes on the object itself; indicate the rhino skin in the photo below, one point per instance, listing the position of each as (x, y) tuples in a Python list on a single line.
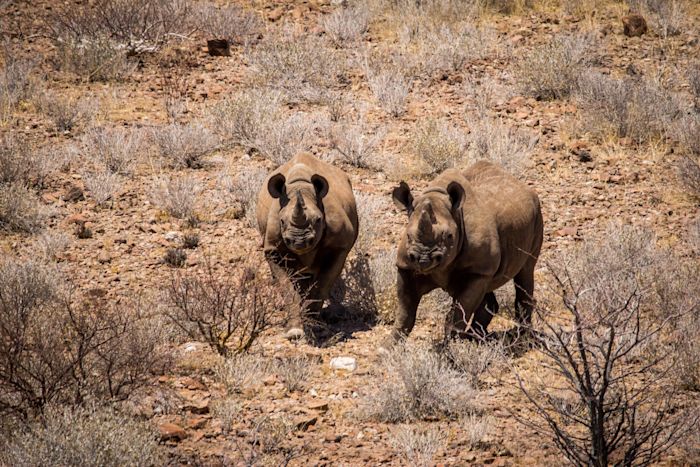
[(307, 218), (468, 233)]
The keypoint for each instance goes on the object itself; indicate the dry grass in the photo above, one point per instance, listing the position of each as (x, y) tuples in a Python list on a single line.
[(346, 25), (357, 143), (551, 71), (231, 22), (419, 384), (624, 108), (243, 189), (185, 145), (294, 371), (68, 113), (20, 209), (116, 149), (16, 84), (239, 373), (99, 59), (438, 144), (21, 163), (667, 17), (228, 410), (177, 196), (83, 436), (102, 185), (390, 87), (51, 244), (417, 445), (475, 360), (500, 143)]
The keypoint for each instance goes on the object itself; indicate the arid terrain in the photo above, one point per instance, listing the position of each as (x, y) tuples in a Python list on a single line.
[(138, 321)]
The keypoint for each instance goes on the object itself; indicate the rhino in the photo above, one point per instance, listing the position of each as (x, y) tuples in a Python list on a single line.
[(308, 221), (468, 233)]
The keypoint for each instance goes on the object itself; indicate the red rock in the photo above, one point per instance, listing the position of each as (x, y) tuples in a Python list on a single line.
[(171, 431), (303, 422), (634, 25), (320, 406), (567, 231)]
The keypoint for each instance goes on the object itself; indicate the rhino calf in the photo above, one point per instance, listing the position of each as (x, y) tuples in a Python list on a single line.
[(468, 233), (307, 217)]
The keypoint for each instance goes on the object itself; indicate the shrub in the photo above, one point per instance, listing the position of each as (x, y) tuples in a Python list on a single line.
[(390, 88), (551, 70), (231, 22), (83, 436), (117, 149), (177, 196), (102, 185), (56, 349), (438, 144), (383, 271), (184, 145), (20, 209), (51, 244), (16, 84), (476, 427), (418, 444), (347, 25), (241, 372), (66, 113), (419, 384), (498, 142), (228, 410), (689, 171), (301, 67), (20, 163), (96, 59), (603, 398), (288, 136), (694, 82), (356, 143), (668, 17), (640, 110), (294, 371), (243, 189), (229, 313), (475, 360), (175, 257)]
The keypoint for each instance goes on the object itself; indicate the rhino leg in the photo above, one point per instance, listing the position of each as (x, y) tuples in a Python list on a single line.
[(409, 297), (471, 301), (524, 293), (483, 315), (331, 267)]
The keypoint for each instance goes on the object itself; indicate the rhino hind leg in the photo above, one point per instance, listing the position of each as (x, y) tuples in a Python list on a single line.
[(524, 293), (483, 316)]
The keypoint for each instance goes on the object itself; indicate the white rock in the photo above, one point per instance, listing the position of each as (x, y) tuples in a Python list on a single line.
[(172, 236), (343, 363)]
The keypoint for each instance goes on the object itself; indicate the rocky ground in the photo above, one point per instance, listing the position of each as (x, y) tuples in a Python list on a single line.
[(584, 182)]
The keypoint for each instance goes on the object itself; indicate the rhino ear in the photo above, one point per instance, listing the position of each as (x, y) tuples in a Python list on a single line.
[(320, 184), (275, 186), (456, 192), (403, 199)]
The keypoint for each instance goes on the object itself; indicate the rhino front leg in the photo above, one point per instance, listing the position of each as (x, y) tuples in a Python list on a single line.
[(471, 301), (409, 295)]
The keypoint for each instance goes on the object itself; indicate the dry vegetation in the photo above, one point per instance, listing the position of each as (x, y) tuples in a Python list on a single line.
[(139, 324)]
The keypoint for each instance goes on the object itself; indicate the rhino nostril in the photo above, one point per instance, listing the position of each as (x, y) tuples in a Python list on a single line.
[(412, 257), (438, 257)]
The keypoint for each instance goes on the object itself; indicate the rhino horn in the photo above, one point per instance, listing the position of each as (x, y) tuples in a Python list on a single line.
[(298, 216), (425, 225)]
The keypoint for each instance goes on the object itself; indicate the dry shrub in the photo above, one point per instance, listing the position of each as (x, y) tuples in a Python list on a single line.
[(116, 149), (67, 113), (689, 172), (389, 86), (356, 143), (98, 59), (184, 145), (134, 26), (232, 23), (417, 445), (20, 209), (382, 268), (605, 395), (16, 84), (347, 24), (243, 189), (177, 196), (228, 410), (636, 109), (243, 371), (302, 67), (255, 121), (102, 185), (694, 82), (227, 312), (20, 163), (83, 436), (50, 245), (438, 144), (551, 70), (500, 143), (475, 360), (477, 428), (418, 384), (269, 442), (57, 349), (294, 371), (667, 17), (506, 6)]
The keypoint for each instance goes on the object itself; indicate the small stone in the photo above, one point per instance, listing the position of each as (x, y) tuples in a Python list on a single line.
[(172, 236), (196, 423), (634, 25), (567, 231), (73, 194), (197, 406), (303, 422), (320, 406), (171, 431), (218, 48), (104, 257), (344, 363)]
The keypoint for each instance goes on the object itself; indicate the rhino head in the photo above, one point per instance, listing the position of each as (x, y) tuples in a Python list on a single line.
[(433, 236), (301, 215)]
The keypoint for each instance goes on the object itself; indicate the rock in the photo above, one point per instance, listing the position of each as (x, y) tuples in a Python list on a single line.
[(303, 422), (634, 25), (275, 14), (198, 407), (196, 423), (294, 334), (218, 48), (172, 236), (320, 406), (343, 363), (171, 431), (104, 258), (73, 194), (567, 231)]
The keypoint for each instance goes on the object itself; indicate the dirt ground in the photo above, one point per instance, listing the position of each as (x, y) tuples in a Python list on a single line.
[(616, 180)]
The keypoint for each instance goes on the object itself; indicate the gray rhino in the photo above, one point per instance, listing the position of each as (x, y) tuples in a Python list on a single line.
[(307, 217), (468, 233)]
